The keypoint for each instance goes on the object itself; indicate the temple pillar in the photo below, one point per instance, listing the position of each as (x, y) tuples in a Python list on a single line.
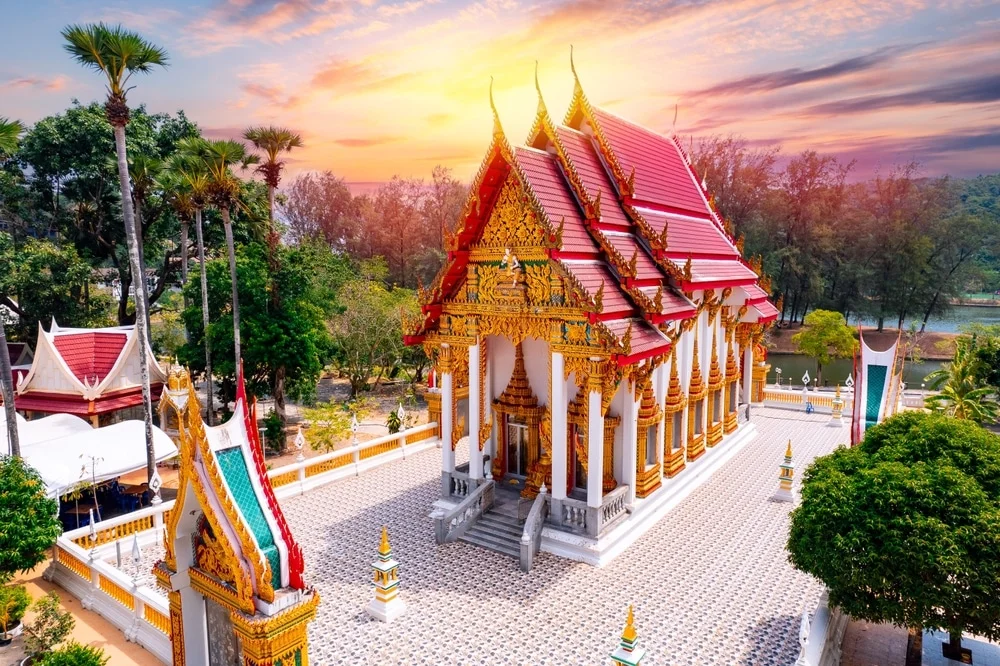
[(595, 436), (447, 412), (558, 407), (475, 388), (747, 371), (630, 417)]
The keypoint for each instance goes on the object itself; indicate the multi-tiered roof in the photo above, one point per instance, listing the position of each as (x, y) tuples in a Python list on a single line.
[(624, 216)]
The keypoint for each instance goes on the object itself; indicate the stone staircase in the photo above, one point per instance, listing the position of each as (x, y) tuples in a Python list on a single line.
[(496, 531)]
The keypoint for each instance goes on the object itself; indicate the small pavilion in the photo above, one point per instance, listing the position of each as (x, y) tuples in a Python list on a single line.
[(92, 373)]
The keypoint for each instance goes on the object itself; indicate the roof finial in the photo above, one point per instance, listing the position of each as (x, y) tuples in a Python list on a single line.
[(577, 88), (497, 127), (673, 128), (538, 88)]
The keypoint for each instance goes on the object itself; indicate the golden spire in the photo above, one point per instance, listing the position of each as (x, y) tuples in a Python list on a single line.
[(714, 371), (629, 633), (384, 548), (837, 394), (497, 127), (788, 451), (577, 88), (538, 88)]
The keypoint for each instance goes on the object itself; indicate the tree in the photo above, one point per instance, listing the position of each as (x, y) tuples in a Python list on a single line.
[(28, 517), (320, 207), (75, 654), (826, 336), (10, 133), (51, 626), (367, 333), (294, 336), (905, 527), (961, 393), (273, 141), (224, 189), (118, 54)]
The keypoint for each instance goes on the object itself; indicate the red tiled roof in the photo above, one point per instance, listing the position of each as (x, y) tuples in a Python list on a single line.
[(61, 403), (674, 305), (90, 354), (687, 236), (754, 293), (595, 179), (720, 270), (765, 311), (627, 245), (645, 340), (662, 175), (553, 192), (590, 275)]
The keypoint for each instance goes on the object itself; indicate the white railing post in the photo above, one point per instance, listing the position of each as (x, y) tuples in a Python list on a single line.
[(132, 632), (402, 443)]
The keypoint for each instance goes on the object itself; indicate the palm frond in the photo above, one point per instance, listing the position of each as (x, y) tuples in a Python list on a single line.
[(113, 50), (10, 135)]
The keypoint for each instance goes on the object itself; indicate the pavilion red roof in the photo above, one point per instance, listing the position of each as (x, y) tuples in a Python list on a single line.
[(549, 185), (62, 403), (689, 236), (92, 354)]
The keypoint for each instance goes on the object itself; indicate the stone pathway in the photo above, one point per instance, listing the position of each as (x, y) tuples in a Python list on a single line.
[(711, 582), (867, 644)]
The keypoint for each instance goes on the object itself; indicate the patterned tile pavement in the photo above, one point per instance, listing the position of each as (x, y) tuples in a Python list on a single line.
[(710, 582)]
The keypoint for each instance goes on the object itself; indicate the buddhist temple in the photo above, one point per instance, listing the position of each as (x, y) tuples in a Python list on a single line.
[(92, 373), (232, 569), (594, 326)]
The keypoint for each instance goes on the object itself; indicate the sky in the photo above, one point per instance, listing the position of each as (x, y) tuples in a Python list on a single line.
[(394, 87)]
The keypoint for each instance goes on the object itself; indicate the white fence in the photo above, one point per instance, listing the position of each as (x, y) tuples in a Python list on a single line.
[(821, 635), (141, 611)]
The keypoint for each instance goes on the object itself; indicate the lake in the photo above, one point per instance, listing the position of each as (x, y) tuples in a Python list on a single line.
[(794, 366), (951, 321)]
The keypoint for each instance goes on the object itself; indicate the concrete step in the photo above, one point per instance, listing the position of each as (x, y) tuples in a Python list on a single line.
[(492, 523), (491, 542)]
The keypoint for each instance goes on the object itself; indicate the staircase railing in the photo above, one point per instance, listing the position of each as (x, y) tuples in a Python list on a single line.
[(531, 538), (452, 524)]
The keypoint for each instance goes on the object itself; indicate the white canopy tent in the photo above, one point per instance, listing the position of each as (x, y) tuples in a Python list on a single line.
[(66, 450)]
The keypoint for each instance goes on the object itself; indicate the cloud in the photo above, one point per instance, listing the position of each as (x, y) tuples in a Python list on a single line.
[(343, 75), (366, 142), (796, 76), (273, 94), (403, 8), (235, 22), (439, 119), (969, 91), (368, 29), (216, 133), (41, 83)]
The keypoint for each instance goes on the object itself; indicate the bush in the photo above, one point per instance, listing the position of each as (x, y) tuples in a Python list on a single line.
[(274, 433), (50, 627), (14, 601), (394, 423), (28, 518), (75, 654)]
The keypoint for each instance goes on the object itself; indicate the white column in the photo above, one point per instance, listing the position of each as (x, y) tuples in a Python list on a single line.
[(662, 383), (475, 457), (595, 445), (747, 372), (630, 417), (558, 408), (447, 454)]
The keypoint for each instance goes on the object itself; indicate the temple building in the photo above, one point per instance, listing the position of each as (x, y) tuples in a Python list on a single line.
[(92, 373), (593, 329), (232, 570), (20, 360)]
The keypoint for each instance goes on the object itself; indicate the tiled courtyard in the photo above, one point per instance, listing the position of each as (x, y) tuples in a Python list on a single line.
[(710, 582)]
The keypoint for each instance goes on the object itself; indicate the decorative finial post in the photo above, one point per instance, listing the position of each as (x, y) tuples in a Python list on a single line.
[(836, 419), (155, 483), (300, 442), (386, 606), (354, 429), (784, 492), (629, 653)]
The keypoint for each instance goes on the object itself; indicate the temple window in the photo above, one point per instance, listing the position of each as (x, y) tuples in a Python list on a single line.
[(678, 433), (651, 445), (699, 416)]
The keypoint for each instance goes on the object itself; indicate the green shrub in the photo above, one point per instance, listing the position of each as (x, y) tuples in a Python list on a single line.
[(394, 423), (14, 601), (274, 432), (28, 522), (50, 627), (75, 654)]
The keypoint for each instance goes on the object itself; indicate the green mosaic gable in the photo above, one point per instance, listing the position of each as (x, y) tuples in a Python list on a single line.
[(234, 468), (876, 382)]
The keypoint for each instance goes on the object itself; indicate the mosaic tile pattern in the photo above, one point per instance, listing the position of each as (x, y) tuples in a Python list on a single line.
[(710, 582)]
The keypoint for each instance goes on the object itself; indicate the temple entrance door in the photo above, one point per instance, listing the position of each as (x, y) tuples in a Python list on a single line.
[(577, 460), (517, 449), (223, 644)]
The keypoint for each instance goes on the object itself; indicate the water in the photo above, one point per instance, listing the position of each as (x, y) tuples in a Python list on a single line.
[(951, 321), (793, 366)]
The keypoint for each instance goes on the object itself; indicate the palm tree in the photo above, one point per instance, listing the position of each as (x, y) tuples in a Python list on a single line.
[(273, 141), (143, 170), (960, 393), (224, 191), (118, 54), (10, 134), (189, 166)]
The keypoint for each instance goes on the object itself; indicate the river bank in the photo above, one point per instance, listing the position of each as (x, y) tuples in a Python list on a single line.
[(930, 345)]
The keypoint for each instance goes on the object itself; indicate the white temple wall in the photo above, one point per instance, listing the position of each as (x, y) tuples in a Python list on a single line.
[(536, 364), (48, 375), (617, 408), (501, 353)]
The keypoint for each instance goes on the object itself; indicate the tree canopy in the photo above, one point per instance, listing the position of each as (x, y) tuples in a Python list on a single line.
[(28, 523), (905, 528), (826, 336)]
